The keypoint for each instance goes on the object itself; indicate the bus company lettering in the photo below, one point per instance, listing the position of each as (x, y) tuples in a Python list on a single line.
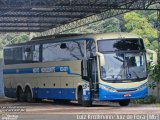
[(48, 70), (51, 69), (36, 70), (63, 69)]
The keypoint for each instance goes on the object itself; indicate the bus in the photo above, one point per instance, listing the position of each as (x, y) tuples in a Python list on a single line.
[(82, 67)]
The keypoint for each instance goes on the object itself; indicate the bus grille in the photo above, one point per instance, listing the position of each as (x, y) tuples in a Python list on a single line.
[(130, 90)]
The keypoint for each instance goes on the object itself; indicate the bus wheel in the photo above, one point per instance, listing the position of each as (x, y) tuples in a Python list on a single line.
[(28, 95), (124, 102), (80, 96), (20, 95), (81, 101)]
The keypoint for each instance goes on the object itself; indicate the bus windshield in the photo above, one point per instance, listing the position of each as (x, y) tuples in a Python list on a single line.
[(123, 62), (120, 45), (124, 66)]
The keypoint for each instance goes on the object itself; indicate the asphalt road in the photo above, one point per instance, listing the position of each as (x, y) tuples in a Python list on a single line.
[(49, 110)]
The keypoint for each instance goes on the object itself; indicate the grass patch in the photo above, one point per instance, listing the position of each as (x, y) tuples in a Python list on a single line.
[(158, 105), (148, 100)]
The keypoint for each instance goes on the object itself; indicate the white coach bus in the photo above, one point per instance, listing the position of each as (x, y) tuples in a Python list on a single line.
[(104, 67)]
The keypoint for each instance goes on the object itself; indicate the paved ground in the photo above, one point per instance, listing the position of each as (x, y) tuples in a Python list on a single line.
[(52, 111)]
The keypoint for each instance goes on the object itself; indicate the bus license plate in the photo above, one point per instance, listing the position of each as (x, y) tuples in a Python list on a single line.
[(127, 95)]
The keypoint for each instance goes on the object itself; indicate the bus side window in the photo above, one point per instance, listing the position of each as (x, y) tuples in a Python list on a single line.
[(91, 48), (17, 55), (31, 53), (76, 49), (53, 52), (8, 56), (71, 50)]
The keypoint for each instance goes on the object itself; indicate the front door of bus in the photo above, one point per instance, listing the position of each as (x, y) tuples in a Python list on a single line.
[(93, 76)]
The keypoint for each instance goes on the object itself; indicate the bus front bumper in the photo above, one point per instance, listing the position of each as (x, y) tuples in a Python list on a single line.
[(109, 96)]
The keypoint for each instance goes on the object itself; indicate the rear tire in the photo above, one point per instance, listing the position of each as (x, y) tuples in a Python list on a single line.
[(124, 102), (81, 101), (28, 95), (20, 95)]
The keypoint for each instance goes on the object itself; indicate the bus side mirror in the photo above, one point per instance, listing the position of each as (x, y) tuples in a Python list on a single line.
[(63, 46), (102, 59), (84, 68)]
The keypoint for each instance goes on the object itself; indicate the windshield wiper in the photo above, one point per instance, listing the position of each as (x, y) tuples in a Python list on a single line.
[(136, 75)]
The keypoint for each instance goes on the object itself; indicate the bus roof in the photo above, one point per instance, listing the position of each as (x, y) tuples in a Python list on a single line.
[(114, 35), (97, 36), (65, 37)]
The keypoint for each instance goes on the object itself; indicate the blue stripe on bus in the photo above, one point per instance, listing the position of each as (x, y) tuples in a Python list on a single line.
[(146, 83), (52, 69), (107, 95), (18, 71), (55, 93), (46, 93)]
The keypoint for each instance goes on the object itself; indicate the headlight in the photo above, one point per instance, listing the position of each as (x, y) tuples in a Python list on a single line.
[(142, 86), (107, 88)]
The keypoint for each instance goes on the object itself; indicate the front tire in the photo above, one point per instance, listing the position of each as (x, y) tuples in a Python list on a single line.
[(124, 102), (80, 96), (81, 101)]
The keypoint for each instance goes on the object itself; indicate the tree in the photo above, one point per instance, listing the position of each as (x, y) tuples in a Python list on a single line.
[(156, 76), (140, 25), (103, 26)]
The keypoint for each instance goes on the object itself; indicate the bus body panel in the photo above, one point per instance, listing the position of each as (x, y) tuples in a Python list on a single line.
[(61, 83), (61, 79), (122, 91)]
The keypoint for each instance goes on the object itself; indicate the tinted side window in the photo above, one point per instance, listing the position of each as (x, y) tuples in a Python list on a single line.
[(22, 54), (124, 44), (63, 51), (17, 55), (76, 49), (31, 53), (91, 48), (8, 56), (13, 55), (52, 52)]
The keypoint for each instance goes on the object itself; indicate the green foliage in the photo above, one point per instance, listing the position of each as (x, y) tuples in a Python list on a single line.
[(148, 100), (138, 24), (152, 86), (155, 73), (108, 25), (158, 100)]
